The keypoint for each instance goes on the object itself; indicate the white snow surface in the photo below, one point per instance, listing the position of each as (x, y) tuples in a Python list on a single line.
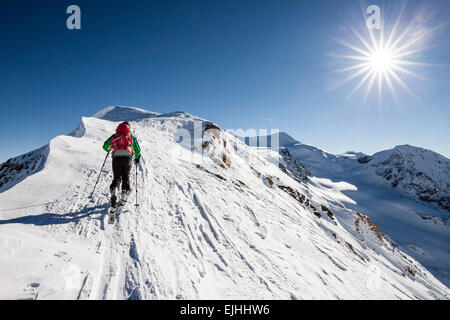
[(405, 190), (203, 230)]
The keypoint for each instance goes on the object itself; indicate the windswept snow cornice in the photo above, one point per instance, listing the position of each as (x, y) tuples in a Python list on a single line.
[(122, 113)]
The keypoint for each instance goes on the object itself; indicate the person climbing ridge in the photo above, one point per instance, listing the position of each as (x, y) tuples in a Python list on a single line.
[(122, 144)]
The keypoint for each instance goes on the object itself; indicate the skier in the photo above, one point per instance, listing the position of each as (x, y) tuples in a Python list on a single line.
[(122, 144)]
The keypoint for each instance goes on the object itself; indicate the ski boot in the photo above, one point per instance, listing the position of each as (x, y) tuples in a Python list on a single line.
[(113, 199), (125, 194), (112, 210), (123, 200)]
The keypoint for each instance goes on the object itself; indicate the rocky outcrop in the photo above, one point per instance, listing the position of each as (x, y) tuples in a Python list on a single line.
[(363, 225), (215, 145), (292, 167)]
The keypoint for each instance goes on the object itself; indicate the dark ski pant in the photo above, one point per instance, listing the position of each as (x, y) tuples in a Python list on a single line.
[(121, 168)]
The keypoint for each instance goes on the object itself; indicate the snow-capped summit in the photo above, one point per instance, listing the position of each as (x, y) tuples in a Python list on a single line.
[(416, 171), (217, 220), (122, 113)]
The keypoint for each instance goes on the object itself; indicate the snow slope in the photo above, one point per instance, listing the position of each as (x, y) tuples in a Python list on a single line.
[(217, 219), (405, 190)]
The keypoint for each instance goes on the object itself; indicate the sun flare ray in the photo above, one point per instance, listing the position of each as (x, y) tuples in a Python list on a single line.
[(360, 84), (380, 56)]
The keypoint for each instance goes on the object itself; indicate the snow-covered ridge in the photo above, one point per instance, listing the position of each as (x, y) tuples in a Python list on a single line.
[(217, 220), (122, 113), (415, 171), (17, 169)]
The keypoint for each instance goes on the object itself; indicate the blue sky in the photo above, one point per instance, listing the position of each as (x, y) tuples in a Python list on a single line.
[(242, 64)]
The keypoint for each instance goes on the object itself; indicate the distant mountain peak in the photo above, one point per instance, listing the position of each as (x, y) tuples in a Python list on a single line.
[(268, 141), (416, 171)]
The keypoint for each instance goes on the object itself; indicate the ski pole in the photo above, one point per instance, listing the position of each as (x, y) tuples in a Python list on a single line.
[(100, 174), (136, 205)]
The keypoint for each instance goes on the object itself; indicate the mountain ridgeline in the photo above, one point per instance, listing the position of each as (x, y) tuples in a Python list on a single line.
[(415, 172), (217, 219)]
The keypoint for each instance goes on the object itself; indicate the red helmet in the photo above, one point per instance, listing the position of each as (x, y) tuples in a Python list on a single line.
[(124, 127)]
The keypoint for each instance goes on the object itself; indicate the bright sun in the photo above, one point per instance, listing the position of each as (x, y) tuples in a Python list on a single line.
[(382, 60)]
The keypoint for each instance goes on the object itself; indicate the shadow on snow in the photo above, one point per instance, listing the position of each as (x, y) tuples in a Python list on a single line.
[(55, 218)]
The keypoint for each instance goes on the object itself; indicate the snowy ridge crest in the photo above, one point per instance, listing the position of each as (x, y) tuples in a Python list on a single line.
[(122, 113), (217, 220), (19, 168)]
